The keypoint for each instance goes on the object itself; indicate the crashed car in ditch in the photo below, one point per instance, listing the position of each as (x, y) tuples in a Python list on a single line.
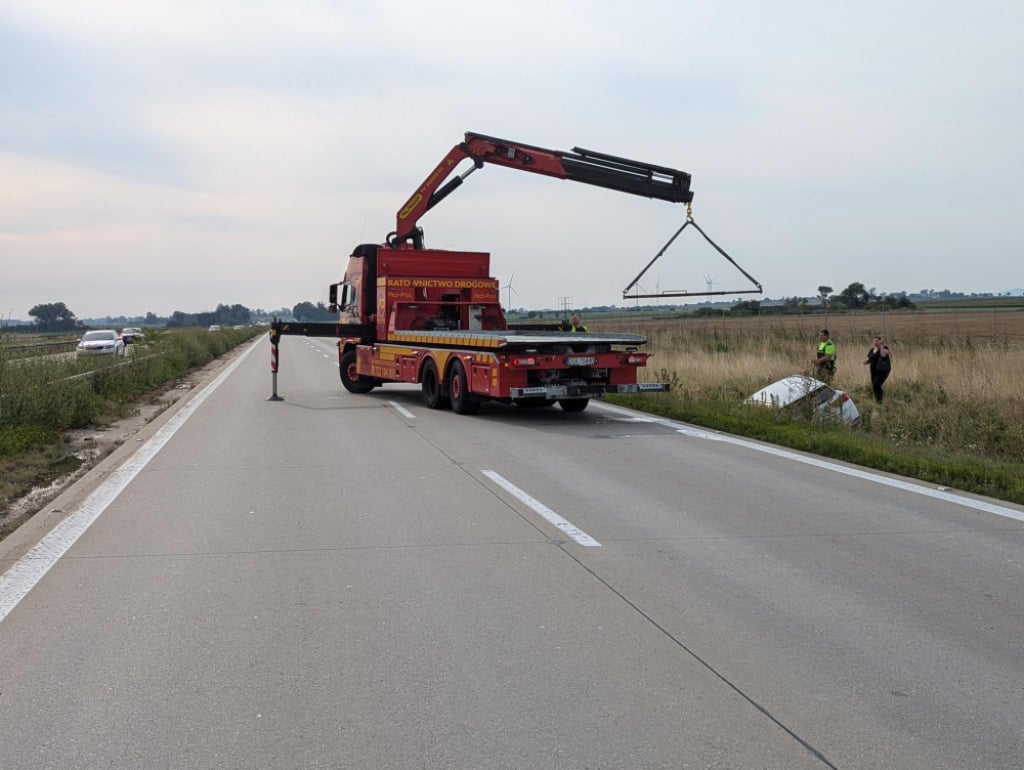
[(798, 391)]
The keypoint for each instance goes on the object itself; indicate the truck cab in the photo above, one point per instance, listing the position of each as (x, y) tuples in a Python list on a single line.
[(409, 289)]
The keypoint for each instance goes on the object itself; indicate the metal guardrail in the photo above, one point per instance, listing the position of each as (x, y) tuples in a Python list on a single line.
[(40, 345), (104, 365), (124, 361)]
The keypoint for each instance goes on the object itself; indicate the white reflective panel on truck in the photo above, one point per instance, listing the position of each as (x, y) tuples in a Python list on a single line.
[(530, 391)]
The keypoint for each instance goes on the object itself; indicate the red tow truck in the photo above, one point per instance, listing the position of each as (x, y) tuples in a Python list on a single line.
[(433, 317)]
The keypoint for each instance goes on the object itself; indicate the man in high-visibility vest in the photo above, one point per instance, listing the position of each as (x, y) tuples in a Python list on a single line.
[(825, 361), (576, 325)]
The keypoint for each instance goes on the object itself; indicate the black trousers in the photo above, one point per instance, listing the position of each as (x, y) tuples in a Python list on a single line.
[(877, 379)]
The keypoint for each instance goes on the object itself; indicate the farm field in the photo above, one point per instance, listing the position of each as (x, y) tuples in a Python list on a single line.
[(929, 325)]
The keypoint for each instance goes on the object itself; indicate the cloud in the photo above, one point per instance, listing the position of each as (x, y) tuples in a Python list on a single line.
[(235, 152)]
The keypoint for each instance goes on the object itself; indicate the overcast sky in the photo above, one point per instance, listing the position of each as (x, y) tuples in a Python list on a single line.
[(161, 156)]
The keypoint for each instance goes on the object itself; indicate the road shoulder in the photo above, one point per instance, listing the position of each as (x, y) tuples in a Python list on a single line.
[(101, 450)]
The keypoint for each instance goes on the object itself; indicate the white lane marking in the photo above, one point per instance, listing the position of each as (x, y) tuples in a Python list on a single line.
[(568, 528), (401, 409), (906, 486), (17, 581)]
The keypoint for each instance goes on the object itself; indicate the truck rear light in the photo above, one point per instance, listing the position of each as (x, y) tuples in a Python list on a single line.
[(524, 360), (636, 358)]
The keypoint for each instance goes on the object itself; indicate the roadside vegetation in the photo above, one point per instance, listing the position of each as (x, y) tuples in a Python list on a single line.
[(953, 413), (44, 395)]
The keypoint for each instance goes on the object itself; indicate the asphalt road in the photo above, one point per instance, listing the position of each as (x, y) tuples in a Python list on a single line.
[(342, 581)]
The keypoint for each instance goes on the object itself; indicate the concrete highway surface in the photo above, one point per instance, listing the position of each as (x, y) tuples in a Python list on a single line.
[(355, 581)]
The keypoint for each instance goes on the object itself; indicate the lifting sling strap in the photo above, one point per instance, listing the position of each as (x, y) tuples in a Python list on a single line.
[(683, 293)]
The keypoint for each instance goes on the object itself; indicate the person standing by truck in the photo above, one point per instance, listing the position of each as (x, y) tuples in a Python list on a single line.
[(879, 361), (576, 325), (825, 361)]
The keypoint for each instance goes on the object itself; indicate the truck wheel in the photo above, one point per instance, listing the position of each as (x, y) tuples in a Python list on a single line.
[(433, 395), (463, 402), (573, 404), (350, 377)]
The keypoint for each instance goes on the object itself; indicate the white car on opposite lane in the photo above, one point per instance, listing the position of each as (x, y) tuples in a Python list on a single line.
[(100, 342)]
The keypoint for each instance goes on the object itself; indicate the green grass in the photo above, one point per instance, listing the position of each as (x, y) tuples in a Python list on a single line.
[(966, 472), (972, 303), (59, 393), (42, 398)]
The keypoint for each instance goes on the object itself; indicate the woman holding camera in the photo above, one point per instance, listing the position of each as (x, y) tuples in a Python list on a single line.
[(880, 362)]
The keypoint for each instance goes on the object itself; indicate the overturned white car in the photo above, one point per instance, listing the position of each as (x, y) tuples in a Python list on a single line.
[(796, 390)]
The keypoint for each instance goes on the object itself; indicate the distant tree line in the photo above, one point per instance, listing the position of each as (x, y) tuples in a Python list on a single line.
[(224, 315), (857, 297), (52, 317), (57, 317), (306, 312), (853, 297)]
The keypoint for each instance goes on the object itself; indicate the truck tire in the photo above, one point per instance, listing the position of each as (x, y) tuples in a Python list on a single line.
[(433, 394), (573, 404), (463, 401), (350, 378)]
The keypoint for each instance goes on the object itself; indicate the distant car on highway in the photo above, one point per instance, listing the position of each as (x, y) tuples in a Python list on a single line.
[(131, 333), (100, 342), (215, 328)]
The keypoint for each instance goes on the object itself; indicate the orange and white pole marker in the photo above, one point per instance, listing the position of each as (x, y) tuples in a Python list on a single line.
[(275, 335)]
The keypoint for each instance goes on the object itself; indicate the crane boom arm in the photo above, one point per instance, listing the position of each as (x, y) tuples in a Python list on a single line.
[(580, 165)]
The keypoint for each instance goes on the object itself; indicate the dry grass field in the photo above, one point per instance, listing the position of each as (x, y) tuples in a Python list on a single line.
[(956, 384)]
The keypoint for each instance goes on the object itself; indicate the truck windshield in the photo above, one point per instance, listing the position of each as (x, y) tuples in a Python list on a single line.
[(350, 297)]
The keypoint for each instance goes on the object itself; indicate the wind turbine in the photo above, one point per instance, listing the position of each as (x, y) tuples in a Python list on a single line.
[(710, 280), (508, 286)]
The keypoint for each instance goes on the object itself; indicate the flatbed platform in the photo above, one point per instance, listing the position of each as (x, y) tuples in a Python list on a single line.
[(510, 339)]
